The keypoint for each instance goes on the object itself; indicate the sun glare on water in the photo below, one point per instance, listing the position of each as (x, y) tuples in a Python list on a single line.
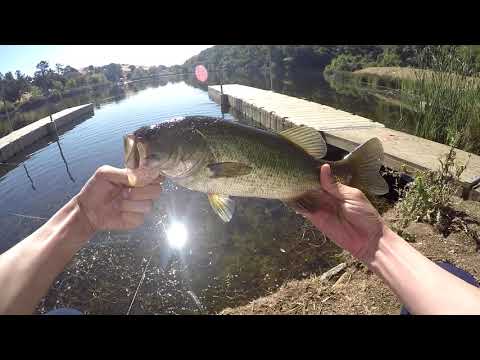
[(177, 235)]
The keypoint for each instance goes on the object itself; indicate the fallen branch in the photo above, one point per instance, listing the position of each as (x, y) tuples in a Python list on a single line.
[(333, 271)]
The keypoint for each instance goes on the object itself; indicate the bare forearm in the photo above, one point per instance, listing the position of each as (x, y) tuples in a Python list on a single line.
[(28, 269), (423, 286)]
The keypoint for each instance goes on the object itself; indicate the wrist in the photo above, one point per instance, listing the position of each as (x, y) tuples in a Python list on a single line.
[(69, 228), (386, 251), (80, 217)]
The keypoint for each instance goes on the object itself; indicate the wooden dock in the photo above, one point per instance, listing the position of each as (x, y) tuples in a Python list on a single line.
[(19, 139), (403, 152)]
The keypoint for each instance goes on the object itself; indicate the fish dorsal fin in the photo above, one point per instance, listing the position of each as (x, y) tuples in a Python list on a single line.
[(223, 205), (228, 169), (308, 139)]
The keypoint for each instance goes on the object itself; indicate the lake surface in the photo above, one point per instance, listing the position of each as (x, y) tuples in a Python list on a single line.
[(221, 265)]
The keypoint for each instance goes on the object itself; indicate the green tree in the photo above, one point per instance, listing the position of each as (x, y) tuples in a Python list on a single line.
[(35, 91), (43, 68), (96, 79), (13, 88), (113, 72), (59, 68), (389, 58), (41, 76), (57, 85), (346, 62), (70, 84)]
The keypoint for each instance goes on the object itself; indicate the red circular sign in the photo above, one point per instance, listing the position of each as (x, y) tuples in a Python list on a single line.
[(201, 73)]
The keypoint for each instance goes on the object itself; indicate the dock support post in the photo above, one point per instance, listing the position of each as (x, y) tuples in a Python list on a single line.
[(224, 105)]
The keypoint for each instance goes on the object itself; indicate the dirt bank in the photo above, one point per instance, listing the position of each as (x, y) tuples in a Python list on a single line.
[(356, 290)]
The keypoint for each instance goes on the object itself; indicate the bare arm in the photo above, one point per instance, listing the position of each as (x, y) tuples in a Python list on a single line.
[(106, 202), (423, 286), (352, 222)]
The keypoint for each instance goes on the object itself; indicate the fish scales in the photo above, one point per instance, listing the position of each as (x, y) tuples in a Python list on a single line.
[(280, 169)]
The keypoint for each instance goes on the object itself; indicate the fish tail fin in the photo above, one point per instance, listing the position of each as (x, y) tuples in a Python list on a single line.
[(361, 168)]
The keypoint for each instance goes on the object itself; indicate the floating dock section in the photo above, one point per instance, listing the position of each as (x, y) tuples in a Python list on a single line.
[(18, 140), (403, 152)]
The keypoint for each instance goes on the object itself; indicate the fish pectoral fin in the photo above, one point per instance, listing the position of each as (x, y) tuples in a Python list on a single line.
[(308, 139), (310, 201), (223, 205), (228, 169)]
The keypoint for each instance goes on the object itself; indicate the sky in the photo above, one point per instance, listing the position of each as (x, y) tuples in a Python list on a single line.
[(26, 57)]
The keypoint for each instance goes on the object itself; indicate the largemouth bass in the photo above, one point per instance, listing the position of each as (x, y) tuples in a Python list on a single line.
[(225, 158)]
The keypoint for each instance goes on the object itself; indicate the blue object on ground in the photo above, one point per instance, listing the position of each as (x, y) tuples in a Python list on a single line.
[(64, 311)]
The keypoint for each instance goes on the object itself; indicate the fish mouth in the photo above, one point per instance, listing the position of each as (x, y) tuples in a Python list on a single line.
[(131, 153), (137, 154)]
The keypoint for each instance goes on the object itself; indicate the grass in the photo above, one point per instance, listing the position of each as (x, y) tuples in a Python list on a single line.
[(444, 94)]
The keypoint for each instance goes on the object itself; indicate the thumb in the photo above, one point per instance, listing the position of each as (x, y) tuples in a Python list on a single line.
[(128, 177), (328, 182)]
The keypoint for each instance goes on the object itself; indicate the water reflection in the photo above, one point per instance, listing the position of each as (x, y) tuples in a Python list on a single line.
[(57, 140), (54, 136), (64, 160), (29, 177)]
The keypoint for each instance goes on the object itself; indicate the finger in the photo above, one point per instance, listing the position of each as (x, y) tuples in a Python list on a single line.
[(112, 174), (142, 176), (327, 180), (336, 189), (140, 206), (146, 193), (132, 220)]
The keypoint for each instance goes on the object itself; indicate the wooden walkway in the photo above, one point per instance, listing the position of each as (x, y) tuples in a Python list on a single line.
[(343, 130), (19, 139)]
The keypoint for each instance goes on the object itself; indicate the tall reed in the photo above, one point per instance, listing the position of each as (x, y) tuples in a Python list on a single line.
[(445, 96)]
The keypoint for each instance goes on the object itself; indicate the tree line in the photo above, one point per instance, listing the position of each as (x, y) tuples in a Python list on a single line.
[(287, 58), (18, 90), (51, 83)]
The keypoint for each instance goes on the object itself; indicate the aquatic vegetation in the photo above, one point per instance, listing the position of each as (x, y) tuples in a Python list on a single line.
[(446, 99)]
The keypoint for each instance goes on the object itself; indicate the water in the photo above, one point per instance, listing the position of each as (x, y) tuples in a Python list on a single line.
[(221, 265)]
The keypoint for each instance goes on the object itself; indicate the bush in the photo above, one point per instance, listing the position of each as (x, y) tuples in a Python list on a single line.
[(10, 107), (429, 196), (389, 58), (98, 78), (32, 103), (347, 62), (55, 95), (35, 91), (70, 84)]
